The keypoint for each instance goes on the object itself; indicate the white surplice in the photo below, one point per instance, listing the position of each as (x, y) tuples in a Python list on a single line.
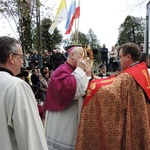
[(61, 126), (20, 125)]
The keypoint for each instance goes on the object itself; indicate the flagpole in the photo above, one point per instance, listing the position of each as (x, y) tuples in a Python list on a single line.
[(77, 33), (75, 30), (78, 30)]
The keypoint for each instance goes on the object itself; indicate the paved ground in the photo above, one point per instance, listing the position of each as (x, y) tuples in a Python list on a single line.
[(111, 72)]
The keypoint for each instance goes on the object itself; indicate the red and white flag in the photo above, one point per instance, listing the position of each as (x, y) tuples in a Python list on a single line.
[(75, 16)]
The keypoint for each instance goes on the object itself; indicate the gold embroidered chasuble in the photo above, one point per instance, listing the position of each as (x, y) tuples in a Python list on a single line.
[(116, 116)]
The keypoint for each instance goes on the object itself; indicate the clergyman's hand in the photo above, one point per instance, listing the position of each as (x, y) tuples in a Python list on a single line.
[(82, 64)]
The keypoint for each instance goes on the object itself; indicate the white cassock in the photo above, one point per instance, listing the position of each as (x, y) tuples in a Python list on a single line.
[(21, 127)]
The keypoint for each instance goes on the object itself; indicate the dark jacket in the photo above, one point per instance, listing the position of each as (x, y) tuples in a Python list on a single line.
[(104, 76)]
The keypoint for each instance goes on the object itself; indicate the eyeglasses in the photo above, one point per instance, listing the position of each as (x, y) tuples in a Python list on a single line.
[(21, 55)]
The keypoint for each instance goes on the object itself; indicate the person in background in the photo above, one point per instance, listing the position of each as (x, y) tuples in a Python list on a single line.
[(41, 112), (113, 62), (46, 76), (141, 47), (44, 69), (58, 58), (103, 71), (64, 99), (29, 69), (20, 125), (104, 55), (23, 75), (34, 59), (47, 59), (116, 115), (145, 58), (36, 83), (64, 54), (43, 86), (27, 59)]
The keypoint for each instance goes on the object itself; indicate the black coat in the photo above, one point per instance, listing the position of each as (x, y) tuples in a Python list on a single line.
[(101, 75)]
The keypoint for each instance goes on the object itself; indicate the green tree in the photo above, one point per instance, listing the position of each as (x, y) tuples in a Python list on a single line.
[(26, 16), (49, 41), (25, 23), (93, 41), (132, 30), (19, 11), (82, 38), (95, 45)]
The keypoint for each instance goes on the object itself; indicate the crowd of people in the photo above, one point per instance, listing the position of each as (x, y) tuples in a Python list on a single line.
[(78, 110), (47, 59)]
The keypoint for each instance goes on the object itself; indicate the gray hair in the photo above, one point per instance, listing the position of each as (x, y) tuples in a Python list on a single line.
[(7, 46)]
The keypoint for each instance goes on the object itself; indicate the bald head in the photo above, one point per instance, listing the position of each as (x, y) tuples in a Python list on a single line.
[(74, 55), (75, 49)]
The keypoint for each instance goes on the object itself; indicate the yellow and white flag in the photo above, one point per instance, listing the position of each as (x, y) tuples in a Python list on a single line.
[(60, 16)]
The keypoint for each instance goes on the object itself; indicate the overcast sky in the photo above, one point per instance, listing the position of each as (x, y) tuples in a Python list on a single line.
[(103, 17)]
